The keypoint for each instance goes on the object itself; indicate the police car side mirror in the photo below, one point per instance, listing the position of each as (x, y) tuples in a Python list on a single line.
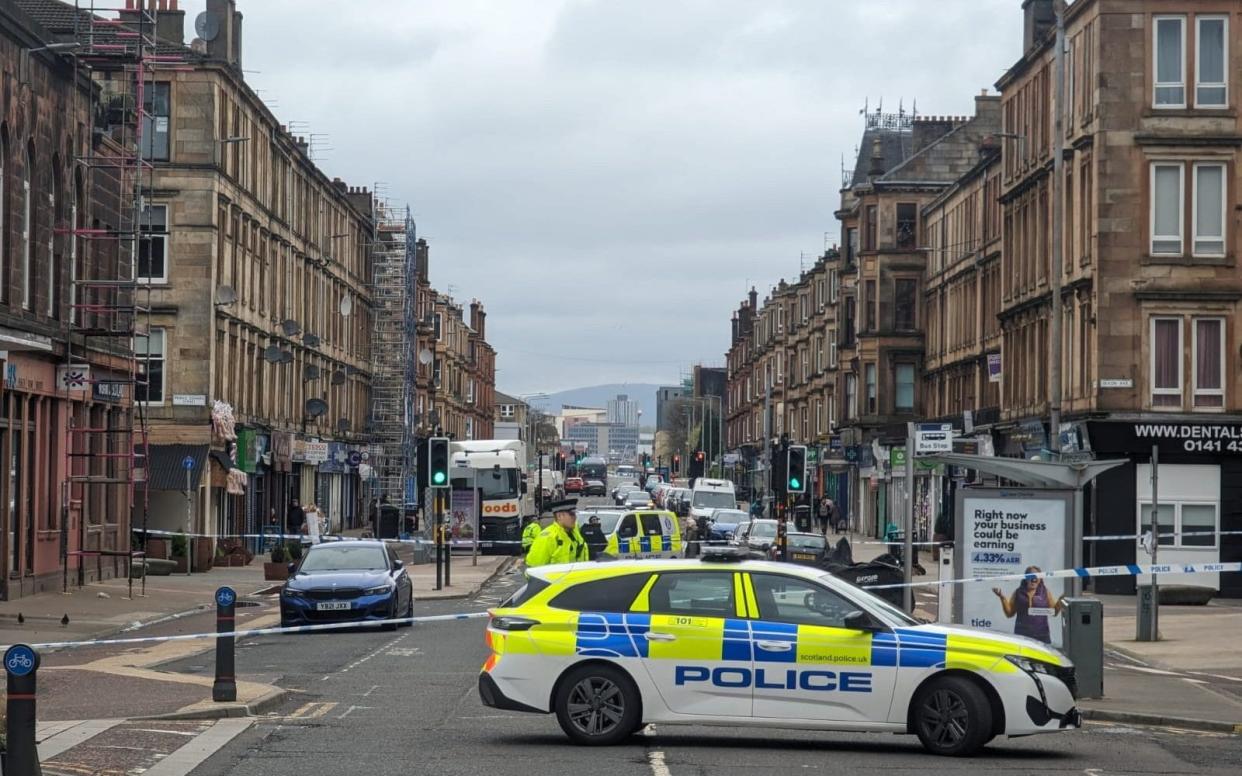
[(861, 621)]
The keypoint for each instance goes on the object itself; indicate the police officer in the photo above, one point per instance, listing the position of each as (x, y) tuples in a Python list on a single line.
[(560, 542), (530, 533)]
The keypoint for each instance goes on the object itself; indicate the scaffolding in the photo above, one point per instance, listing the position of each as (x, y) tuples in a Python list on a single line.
[(108, 367), (393, 367)]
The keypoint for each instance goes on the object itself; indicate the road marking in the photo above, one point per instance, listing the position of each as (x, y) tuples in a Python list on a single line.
[(655, 759), (352, 709), (67, 739), (167, 732), (374, 687), (312, 710), (198, 749), (403, 652), (365, 658)]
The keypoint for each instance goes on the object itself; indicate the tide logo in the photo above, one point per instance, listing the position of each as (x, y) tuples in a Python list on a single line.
[(769, 679)]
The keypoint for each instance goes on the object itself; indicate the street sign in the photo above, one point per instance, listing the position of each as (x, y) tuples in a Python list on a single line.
[(225, 596), (933, 438), (19, 660), (187, 463), (897, 459)]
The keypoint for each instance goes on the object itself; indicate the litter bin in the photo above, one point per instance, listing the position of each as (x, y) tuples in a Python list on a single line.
[(389, 522), (1083, 641)]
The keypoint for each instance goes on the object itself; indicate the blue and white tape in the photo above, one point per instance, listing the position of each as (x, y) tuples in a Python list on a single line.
[(1121, 570), (1167, 535), (238, 634)]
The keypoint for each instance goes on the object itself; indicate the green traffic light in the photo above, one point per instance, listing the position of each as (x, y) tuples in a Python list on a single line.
[(438, 478), (795, 483)]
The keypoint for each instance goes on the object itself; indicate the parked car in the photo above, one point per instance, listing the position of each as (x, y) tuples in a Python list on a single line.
[(724, 522), (806, 549), (762, 535), (347, 582), (637, 499), (619, 492), (574, 485), (594, 488)]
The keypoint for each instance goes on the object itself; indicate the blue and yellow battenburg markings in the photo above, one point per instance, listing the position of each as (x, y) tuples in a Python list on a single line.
[(621, 635)]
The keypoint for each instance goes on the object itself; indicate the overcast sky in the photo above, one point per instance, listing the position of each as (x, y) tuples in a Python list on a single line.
[(608, 176)]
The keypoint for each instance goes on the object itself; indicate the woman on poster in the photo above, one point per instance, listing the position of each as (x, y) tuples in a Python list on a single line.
[(1031, 604)]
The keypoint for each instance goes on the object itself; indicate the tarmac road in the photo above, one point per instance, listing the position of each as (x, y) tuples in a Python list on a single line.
[(406, 702)]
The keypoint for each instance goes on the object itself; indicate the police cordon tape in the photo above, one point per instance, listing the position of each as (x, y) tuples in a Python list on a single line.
[(301, 537), (257, 631), (1122, 570)]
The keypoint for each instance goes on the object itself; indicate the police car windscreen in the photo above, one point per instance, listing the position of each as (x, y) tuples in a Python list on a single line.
[(607, 520), (714, 499)]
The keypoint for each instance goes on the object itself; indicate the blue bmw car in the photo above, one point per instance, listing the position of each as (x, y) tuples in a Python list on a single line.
[(347, 582)]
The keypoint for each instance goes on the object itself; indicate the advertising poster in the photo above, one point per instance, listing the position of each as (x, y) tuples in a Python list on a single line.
[(1005, 532), (463, 517)]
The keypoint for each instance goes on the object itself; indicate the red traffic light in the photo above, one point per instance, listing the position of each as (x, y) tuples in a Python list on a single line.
[(698, 456)]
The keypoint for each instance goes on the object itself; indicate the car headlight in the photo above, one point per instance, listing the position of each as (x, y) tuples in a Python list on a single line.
[(1032, 666), (293, 592), (381, 590)]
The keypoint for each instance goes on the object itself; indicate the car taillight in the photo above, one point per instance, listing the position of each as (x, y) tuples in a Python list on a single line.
[(510, 623)]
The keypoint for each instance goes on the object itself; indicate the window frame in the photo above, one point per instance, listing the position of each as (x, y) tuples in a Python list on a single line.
[(754, 579), (1153, 391), (914, 379), (731, 601), (1157, 84), (150, 150), (1199, 19), (151, 236), (871, 388), (1152, 237), (145, 358), (1194, 209), (1175, 542), (1195, 390), (851, 396), (28, 231)]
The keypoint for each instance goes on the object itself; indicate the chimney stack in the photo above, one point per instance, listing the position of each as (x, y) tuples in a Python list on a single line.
[(170, 22), (877, 159), (1039, 17), (226, 46)]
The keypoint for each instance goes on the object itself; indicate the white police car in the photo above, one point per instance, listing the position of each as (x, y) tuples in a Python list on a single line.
[(608, 647)]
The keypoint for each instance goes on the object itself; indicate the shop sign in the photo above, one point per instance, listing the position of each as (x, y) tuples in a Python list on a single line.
[(246, 456), (314, 452), (994, 367), (852, 454), (1002, 532), (73, 378), (15, 380), (113, 393), (189, 400), (1171, 438), (897, 459)]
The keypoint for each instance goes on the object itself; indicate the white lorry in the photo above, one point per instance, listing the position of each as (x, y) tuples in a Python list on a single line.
[(494, 469)]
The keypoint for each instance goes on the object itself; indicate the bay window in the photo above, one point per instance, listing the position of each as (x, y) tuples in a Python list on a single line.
[(1199, 213)]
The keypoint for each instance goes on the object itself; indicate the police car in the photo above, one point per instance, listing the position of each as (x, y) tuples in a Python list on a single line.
[(722, 640)]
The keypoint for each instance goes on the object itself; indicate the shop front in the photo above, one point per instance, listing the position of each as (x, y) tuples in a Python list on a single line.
[(1197, 498)]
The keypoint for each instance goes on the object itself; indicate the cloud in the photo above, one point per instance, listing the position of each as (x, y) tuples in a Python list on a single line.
[(608, 176)]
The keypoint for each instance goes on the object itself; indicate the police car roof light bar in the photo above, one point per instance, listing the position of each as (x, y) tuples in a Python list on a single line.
[(726, 554)]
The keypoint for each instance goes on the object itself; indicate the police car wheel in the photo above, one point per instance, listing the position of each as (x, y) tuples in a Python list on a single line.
[(598, 705), (952, 717)]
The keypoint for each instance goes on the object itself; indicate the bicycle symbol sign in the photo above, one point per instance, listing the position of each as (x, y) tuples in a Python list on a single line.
[(19, 660), (225, 596)]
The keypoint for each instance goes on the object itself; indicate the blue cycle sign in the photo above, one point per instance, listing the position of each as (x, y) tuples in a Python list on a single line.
[(187, 463), (225, 596), (19, 660)]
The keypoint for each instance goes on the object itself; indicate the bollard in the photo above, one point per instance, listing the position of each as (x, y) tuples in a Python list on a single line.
[(21, 665), (224, 688)]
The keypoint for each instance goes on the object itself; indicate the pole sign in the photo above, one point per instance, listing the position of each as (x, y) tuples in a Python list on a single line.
[(933, 438), (225, 596), (1000, 532), (19, 660), (187, 463)]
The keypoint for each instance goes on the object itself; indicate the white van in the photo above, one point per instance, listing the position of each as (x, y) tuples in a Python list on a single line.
[(710, 495)]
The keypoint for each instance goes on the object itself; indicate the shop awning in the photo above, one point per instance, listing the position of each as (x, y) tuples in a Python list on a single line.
[(1041, 474), (166, 467)]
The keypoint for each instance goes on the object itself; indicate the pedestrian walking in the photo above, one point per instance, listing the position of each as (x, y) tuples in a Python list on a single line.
[(295, 518), (825, 515), (560, 542)]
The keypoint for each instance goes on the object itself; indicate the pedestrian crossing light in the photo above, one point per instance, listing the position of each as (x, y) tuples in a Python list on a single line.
[(795, 469), (438, 462)]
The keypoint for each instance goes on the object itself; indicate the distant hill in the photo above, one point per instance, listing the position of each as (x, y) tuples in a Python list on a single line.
[(599, 395)]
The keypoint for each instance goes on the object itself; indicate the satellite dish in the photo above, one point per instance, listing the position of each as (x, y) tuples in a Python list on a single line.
[(286, 357), (347, 305), (206, 26), (290, 327), (310, 372), (272, 354), (338, 378), (424, 357), (310, 340), (316, 408), (342, 424), (225, 295)]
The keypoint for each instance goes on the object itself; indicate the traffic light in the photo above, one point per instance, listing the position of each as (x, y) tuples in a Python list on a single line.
[(676, 465), (795, 469), (697, 463), (438, 462)]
